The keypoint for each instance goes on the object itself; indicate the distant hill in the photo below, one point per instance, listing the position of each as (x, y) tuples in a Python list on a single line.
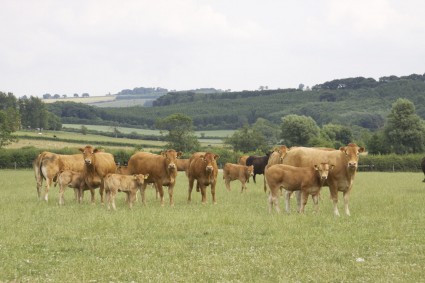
[(362, 102)]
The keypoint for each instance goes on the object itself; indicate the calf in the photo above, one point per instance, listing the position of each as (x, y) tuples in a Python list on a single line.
[(233, 172), (308, 180), (259, 163), (123, 183), (71, 179)]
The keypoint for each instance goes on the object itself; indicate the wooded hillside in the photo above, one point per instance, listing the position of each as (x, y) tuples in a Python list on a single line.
[(360, 101)]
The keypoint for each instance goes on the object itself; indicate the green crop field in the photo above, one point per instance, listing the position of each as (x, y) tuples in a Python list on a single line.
[(236, 240)]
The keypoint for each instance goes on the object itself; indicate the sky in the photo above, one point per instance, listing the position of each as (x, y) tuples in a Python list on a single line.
[(101, 47)]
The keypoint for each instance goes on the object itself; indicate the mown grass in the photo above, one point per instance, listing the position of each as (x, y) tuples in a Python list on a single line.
[(235, 240)]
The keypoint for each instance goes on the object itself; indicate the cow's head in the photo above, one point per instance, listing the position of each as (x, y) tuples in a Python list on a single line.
[(281, 150), (88, 154), (170, 156), (210, 159), (140, 178), (323, 170), (249, 170), (352, 152)]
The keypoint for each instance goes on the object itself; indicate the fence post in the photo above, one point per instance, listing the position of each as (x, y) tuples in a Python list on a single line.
[(15, 165)]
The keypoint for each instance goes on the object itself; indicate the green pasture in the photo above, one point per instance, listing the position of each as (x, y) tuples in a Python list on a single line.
[(206, 134), (236, 240)]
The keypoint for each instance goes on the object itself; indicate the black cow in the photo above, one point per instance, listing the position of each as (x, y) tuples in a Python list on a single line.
[(423, 167), (259, 162)]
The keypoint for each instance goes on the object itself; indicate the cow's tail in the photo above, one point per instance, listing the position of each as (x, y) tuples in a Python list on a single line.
[(37, 163)]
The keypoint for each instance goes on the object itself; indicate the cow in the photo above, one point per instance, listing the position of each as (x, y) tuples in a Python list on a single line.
[(242, 159), (71, 179), (239, 172), (276, 157), (341, 178), (423, 167), (308, 180), (182, 165), (123, 183), (97, 164), (47, 165), (122, 169), (259, 163), (161, 168), (203, 168)]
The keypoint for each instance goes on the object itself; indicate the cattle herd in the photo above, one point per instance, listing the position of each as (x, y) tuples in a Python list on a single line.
[(304, 170)]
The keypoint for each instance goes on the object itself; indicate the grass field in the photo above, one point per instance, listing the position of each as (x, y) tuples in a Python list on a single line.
[(235, 240), (87, 100)]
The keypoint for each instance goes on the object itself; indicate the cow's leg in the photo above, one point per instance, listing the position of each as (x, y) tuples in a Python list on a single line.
[(170, 194), (273, 200), (227, 183), (101, 191), (298, 196), (288, 201), (203, 190), (243, 186), (316, 202), (213, 193), (92, 193), (132, 198), (76, 190), (253, 177), (39, 181), (142, 192), (61, 192), (346, 196), (49, 182), (304, 199), (334, 196), (161, 193), (108, 199), (113, 194), (191, 181)]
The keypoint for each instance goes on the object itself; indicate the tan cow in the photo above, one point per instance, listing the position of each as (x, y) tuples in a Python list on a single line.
[(203, 168), (71, 179), (162, 171), (341, 178), (233, 172), (276, 157), (123, 183), (182, 165), (308, 180), (47, 165), (242, 159), (97, 165)]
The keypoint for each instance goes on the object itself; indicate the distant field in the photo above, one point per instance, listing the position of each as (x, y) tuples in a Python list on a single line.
[(91, 99), (74, 139), (121, 103), (236, 240)]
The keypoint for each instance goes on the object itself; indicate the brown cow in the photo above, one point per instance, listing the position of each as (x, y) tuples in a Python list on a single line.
[(242, 159), (162, 171), (97, 165), (123, 169), (341, 178), (203, 168), (233, 172), (47, 165), (276, 157), (182, 165), (71, 179), (123, 183), (308, 180)]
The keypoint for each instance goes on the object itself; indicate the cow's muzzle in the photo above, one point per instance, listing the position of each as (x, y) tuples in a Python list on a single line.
[(210, 169)]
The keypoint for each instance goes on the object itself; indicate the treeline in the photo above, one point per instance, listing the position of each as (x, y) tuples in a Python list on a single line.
[(358, 102), (143, 90), (23, 158)]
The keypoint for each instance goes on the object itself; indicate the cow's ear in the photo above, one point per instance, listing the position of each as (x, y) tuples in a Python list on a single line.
[(95, 150), (202, 157), (146, 176), (331, 167), (216, 156), (163, 153), (342, 148), (316, 167), (81, 149), (135, 176), (361, 149), (179, 153)]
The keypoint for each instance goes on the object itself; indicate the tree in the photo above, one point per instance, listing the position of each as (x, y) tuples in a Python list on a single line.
[(85, 94), (404, 131), (298, 130), (269, 130), (339, 135), (84, 130), (76, 95), (9, 118), (247, 139), (181, 136)]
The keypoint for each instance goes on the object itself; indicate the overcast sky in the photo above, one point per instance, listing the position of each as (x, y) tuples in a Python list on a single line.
[(100, 47)]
